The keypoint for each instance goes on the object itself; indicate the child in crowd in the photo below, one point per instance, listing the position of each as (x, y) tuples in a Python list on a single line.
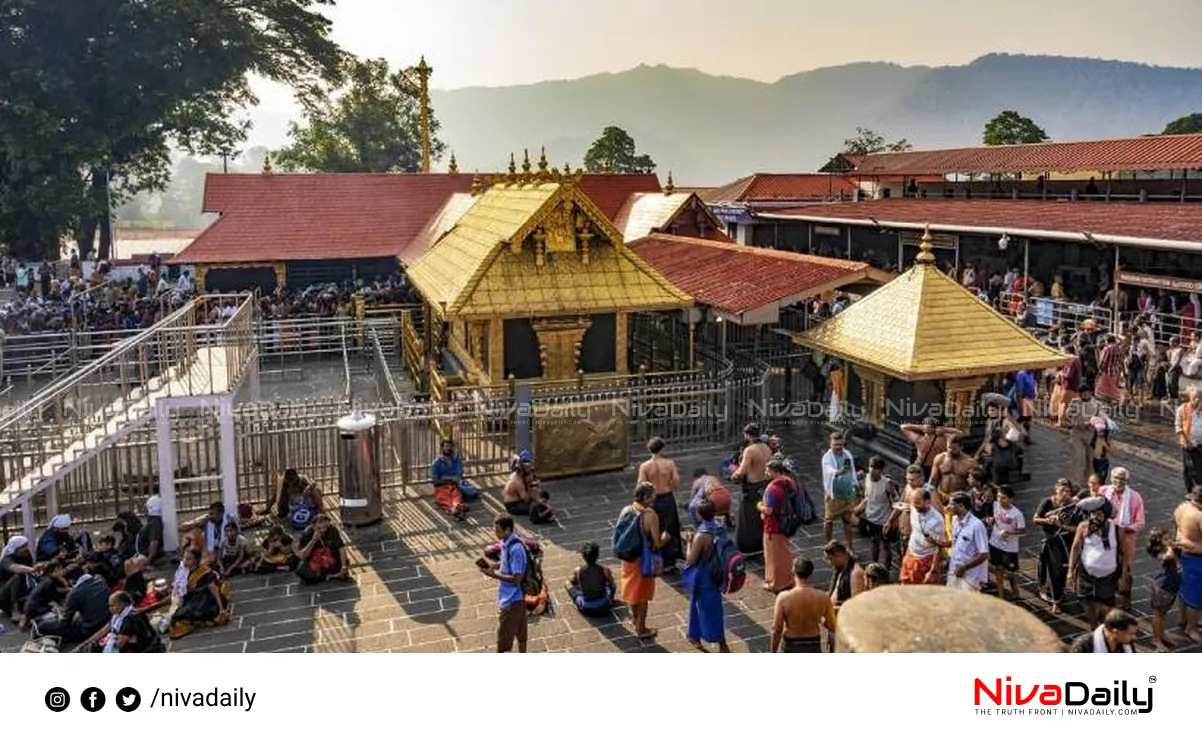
[(591, 586), (1165, 584)]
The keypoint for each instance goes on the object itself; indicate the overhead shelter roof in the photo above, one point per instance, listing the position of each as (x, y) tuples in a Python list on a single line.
[(1164, 226), (645, 213), (782, 187), (295, 216), (481, 267), (925, 326), (1162, 152), (750, 285)]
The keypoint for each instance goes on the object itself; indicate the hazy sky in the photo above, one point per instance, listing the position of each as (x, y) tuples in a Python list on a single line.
[(506, 42)]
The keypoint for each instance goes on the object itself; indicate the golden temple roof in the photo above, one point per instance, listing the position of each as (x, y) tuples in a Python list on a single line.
[(516, 252), (923, 325)]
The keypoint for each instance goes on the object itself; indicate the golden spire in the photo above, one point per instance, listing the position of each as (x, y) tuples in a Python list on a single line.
[(513, 168), (267, 164), (670, 186), (542, 161), (477, 184), (926, 255), (526, 161), (567, 167), (609, 167), (453, 166)]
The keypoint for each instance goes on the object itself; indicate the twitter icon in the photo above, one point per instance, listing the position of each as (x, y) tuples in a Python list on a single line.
[(128, 699)]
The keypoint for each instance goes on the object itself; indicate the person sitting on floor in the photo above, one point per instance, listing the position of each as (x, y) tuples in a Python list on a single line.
[(709, 487), (18, 575), (297, 500), (591, 586), (447, 469), (276, 554), (201, 597), (84, 612), (523, 494), (59, 543), (234, 555), (148, 541), (125, 530), (50, 591), (106, 561), (206, 532), (322, 553), (129, 631)]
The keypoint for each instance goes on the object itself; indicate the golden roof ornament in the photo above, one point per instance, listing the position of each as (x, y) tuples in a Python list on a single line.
[(478, 185), (670, 186), (609, 167), (542, 162), (926, 255), (453, 166), (526, 162), (513, 168), (267, 170)]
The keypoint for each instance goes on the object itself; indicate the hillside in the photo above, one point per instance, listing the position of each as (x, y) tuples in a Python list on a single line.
[(710, 130)]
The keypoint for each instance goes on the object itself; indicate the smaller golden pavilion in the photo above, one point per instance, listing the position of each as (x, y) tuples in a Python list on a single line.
[(924, 346)]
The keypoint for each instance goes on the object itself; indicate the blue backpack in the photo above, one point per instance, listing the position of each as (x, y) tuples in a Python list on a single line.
[(301, 514), (628, 536)]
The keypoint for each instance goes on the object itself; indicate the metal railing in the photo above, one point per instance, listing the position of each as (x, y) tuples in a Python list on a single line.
[(1050, 313), (89, 408)]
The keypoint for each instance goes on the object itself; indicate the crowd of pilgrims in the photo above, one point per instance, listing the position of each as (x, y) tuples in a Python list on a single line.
[(106, 596), (44, 303)]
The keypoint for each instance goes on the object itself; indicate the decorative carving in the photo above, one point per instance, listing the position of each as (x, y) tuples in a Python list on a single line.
[(561, 236), (872, 394), (581, 438), (560, 340), (960, 396)]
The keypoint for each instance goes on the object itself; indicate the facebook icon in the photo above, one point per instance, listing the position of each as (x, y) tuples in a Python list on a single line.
[(92, 699)]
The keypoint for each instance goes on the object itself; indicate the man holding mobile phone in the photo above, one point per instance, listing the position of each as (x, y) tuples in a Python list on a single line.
[(511, 599)]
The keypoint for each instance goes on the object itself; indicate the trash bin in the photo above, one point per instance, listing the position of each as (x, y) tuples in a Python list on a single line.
[(359, 470)]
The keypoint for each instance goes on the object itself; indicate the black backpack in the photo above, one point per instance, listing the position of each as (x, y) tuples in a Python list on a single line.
[(788, 513), (532, 579)]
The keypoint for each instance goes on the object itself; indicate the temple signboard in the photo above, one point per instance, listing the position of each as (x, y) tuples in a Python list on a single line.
[(1169, 283)]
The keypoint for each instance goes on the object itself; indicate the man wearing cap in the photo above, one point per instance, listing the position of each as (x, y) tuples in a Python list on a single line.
[(1188, 518), (1188, 424), (1127, 507), (968, 565)]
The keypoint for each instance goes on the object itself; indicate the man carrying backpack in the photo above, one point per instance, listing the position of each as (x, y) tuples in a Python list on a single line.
[(777, 504), (511, 597)]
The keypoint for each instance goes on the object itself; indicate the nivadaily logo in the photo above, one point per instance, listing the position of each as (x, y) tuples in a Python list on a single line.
[(1070, 697)]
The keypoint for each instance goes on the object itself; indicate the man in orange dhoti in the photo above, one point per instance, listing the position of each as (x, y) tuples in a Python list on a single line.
[(778, 558)]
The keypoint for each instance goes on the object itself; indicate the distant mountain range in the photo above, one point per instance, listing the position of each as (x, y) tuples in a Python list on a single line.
[(711, 130)]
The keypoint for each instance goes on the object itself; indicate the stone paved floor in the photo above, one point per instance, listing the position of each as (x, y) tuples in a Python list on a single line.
[(417, 590)]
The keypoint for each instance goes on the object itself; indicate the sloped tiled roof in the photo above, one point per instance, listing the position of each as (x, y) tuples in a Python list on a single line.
[(737, 278), (292, 216), (610, 191), (471, 271), (645, 213), (1104, 221), (923, 325), (1165, 152), (440, 224), (782, 187)]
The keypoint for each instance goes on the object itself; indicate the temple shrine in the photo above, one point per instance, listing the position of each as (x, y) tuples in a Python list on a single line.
[(922, 346)]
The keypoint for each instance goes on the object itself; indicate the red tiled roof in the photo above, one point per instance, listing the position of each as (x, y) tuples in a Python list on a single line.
[(1170, 152), (1172, 222), (736, 278), (782, 187), (610, 191), (287, 216)]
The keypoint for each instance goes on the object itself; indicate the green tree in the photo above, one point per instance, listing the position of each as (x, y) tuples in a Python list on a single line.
[(870, 142), (1011, 127), (97, 94), (614, 152), (1191, 124), (370, 123)]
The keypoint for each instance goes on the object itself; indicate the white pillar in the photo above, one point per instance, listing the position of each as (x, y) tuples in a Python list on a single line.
[(166, 461), (51, 501), (227, 448), (27, 519)]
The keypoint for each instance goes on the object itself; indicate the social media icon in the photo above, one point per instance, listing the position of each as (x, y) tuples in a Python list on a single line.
[(92, 699), (57, 699), (128, 699)]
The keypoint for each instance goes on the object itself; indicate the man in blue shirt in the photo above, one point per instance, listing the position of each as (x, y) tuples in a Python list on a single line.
[(511, 599), (447, 469), (1025, 394)]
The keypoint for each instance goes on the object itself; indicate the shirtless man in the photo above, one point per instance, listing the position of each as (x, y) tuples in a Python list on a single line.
[(929, 439), (753, 474), (949, 471), (663, 473), (800, 614), (523, 494), (1189, 539)]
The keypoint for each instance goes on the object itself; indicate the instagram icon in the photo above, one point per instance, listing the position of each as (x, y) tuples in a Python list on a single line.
[(57, 699)]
